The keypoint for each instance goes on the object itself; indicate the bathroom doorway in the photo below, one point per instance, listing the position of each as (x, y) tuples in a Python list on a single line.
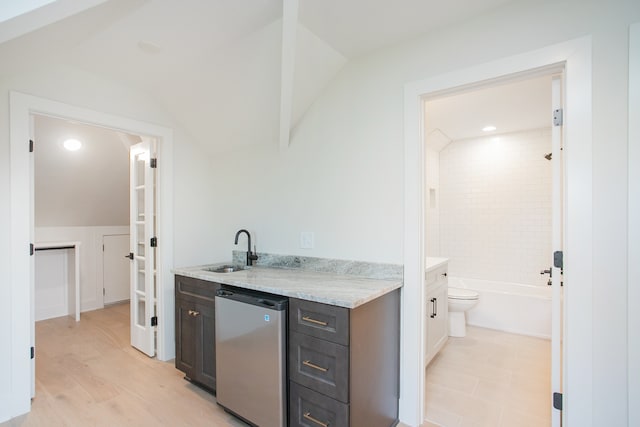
[(489, 208), (574, 58)]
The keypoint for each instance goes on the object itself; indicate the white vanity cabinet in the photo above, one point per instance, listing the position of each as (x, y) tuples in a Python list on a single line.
[(436, 313)]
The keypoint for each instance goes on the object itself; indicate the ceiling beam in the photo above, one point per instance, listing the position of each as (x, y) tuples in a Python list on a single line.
[(289, 27)]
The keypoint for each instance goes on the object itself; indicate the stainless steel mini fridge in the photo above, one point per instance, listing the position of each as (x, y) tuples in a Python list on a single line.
[(251, 355)]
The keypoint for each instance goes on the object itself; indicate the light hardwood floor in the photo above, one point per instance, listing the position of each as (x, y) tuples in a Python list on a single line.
[(87, 374)]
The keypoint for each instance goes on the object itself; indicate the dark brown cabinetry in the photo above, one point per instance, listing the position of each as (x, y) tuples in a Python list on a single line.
[(195, 330), (344, 363)]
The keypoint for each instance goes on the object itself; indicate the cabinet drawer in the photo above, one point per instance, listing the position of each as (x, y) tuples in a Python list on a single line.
[(196, 287), (308, 408), (319, 365), (319, 320)]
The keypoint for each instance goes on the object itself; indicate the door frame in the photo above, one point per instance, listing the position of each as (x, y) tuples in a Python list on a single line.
[(575, 56), (21, 108), (633, 281)]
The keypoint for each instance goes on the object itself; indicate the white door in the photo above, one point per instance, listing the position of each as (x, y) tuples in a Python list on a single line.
[(142, 247), (115, 275), (556, 242)]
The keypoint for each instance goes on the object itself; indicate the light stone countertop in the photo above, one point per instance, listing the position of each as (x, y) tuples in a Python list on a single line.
[(334, 289), (434, 262)]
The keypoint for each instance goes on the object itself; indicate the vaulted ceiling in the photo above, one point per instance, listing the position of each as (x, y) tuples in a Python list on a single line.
[(215, 65), (87, 187)]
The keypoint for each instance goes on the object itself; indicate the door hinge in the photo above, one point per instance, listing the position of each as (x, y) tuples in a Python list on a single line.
[(104, 292), (154, 242), (558, 259), (31, 145), (33, 352), (558, 117), (31, 250), (154, 321), (557, 401), (154, 163)]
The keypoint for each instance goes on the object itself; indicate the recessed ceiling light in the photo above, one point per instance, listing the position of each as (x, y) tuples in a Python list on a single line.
[(72, 144), (488, 129)]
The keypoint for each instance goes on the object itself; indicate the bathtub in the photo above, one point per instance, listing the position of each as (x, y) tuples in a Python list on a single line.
[(510, 307)]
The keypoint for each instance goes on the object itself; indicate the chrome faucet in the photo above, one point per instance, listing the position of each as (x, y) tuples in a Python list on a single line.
[(251, 256)]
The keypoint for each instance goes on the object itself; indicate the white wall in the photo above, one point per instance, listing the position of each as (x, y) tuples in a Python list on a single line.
[(495, 207), (343, 174), (342, 177), (192, 178)]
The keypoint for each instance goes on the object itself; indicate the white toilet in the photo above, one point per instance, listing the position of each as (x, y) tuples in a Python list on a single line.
[(460, 300)]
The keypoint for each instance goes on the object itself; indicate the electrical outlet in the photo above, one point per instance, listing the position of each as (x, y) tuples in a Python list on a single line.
[(306, 240)]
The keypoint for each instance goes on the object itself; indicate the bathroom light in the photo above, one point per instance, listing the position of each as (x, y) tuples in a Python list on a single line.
[(72, 144), (488, 129)]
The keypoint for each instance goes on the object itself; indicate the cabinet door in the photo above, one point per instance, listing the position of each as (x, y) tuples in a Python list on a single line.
[(437, 322), (440, 323), (186, 337), (206, 374)]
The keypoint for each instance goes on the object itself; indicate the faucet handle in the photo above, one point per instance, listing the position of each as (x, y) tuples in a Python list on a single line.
[(254, 255)]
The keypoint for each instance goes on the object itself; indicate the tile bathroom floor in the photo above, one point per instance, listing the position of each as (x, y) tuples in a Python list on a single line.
[(489, 378)]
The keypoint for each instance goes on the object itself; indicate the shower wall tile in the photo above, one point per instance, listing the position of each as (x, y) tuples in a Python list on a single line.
[(495, 207)]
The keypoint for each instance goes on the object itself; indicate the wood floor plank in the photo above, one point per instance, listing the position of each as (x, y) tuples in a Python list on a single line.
[(87, 374)]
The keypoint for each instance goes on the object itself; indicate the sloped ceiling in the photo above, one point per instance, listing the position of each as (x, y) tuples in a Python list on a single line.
[(510, 107), (88, 187), (215, 64)]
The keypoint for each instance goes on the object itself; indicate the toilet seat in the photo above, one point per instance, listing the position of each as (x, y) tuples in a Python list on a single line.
[(462, 294)]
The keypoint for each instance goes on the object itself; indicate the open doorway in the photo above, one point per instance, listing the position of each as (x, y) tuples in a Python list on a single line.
[(574, 57), (488, 211), (81, 194), (83, 189), (22, 109)]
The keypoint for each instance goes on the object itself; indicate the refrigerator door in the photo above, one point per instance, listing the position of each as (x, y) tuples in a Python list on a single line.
[(250, 360)]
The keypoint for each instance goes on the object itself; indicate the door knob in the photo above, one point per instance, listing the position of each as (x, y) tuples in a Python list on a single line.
[(130, 256), (546, 272)]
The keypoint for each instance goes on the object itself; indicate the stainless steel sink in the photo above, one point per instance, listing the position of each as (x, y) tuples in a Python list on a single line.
[(224, 269)]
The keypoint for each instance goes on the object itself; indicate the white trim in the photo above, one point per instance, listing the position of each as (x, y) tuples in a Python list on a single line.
[(287, 68), (557, 218), (22, 107), (577, 364), (634, 226)]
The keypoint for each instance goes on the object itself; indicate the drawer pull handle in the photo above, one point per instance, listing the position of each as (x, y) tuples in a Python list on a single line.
[(317, 322), (194, 313), (308, 416), (314, 366)]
